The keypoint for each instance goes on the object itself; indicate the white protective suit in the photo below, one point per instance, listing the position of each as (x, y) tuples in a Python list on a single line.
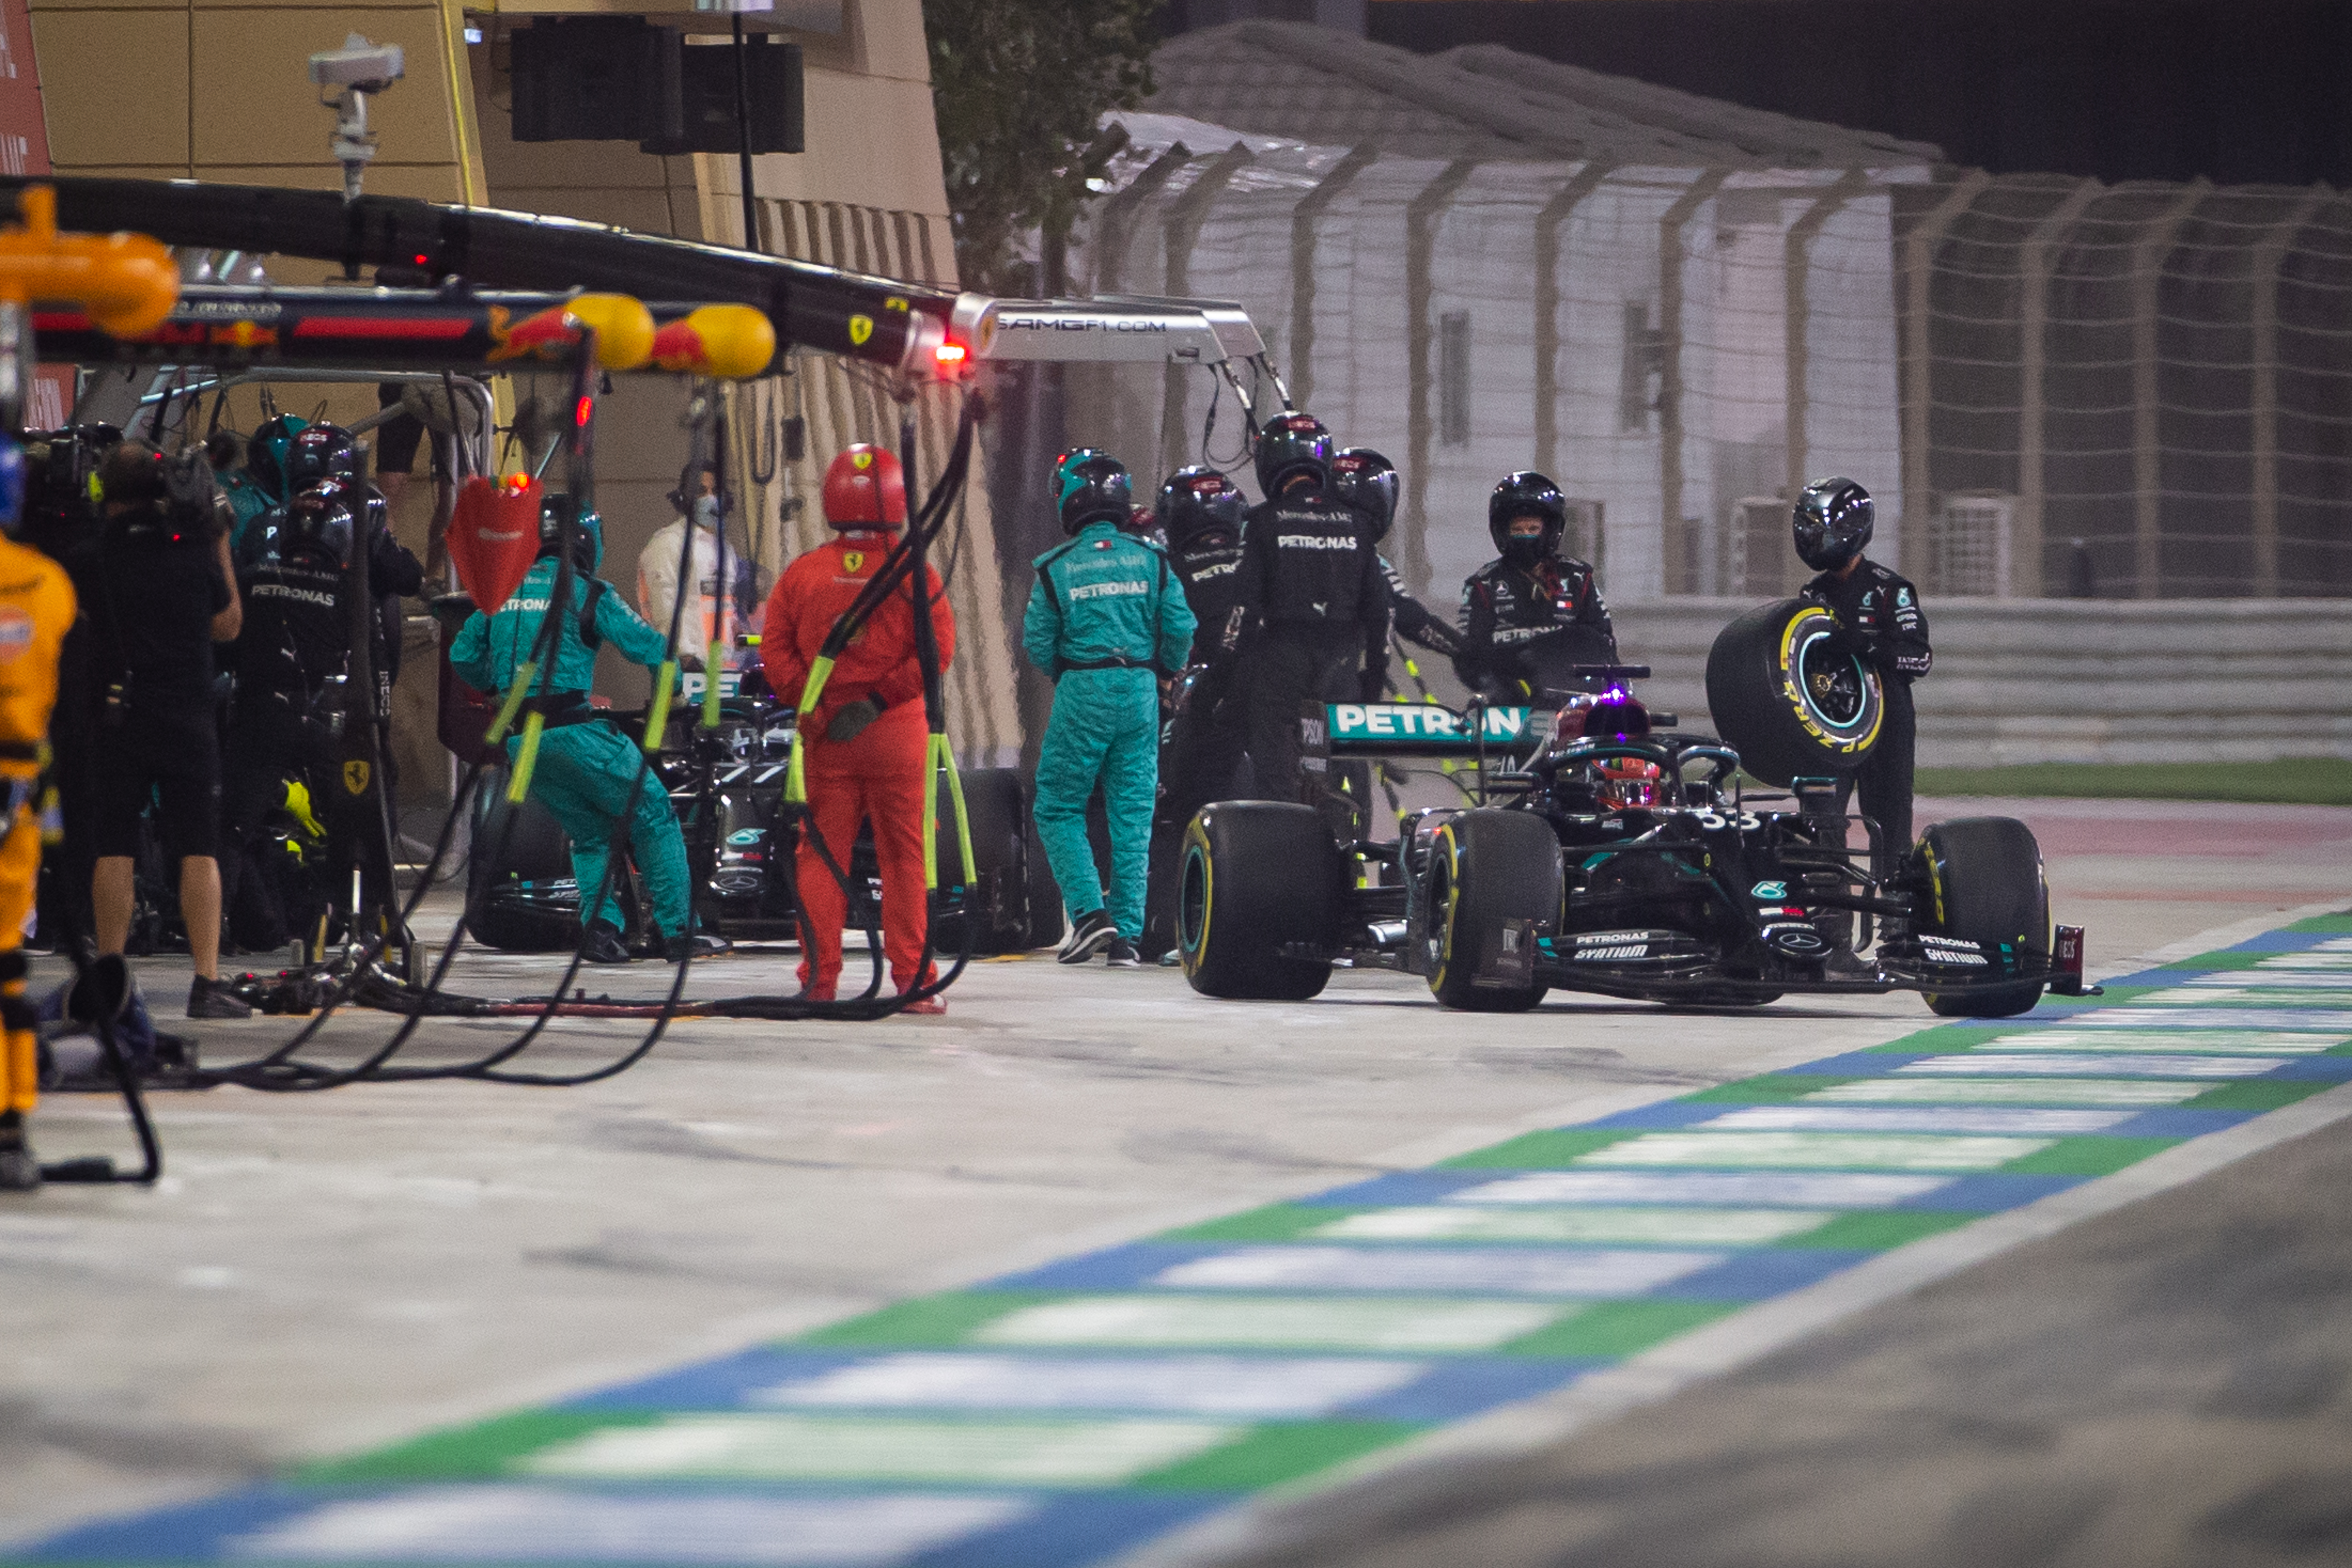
[(658, 590)]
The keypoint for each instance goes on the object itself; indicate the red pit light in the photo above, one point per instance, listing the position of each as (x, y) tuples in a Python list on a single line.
[(580, 414), (950, 353)]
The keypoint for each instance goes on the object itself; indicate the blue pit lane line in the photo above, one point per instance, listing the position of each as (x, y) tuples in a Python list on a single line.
[(1068, 1414)]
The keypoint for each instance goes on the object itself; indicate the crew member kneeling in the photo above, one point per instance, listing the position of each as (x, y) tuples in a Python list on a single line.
[(864, 746), (587, 770)]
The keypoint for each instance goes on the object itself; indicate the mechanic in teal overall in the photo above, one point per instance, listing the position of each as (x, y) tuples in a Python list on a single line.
[(586, 768), (1106, 619)]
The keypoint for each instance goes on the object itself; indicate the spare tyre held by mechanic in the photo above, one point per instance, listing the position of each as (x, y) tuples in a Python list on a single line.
[(1531, 615), (1368, 481), (1106, 619), (864, 748), (1881, 623), (588, 770), (1312, 579)]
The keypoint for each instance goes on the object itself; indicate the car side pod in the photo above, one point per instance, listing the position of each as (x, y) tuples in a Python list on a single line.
[(2067, 965)]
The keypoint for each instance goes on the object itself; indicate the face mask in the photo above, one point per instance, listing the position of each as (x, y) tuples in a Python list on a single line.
[(706, 510), (1523, 552)]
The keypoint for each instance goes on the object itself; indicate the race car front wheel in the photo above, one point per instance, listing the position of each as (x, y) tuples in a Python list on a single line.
[(1258, 901), (1486, 869), (1984, 884), (1786, 700)]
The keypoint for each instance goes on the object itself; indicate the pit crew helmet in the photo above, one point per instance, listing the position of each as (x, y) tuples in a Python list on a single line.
[(320, 451), (266, 450), (1366, 482), (1832, 520), (1291, 443), (865, 488), (1526, 494), (588, 547), (1198, 501), (1091, 486), (319, 523)]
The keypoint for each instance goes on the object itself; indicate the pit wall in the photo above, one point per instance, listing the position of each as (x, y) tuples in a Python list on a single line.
[(2039, 680)]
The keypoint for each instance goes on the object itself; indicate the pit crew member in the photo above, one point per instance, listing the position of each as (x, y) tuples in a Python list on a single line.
[(1531, 615)]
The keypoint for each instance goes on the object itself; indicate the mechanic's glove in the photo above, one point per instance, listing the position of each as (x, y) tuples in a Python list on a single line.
[(851, 722), (1372, 686)]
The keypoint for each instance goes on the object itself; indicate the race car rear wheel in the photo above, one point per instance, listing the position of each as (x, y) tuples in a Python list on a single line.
[(1488, 868), (1260, 880), (1013, 896), (518, 849), (1785, 701), (1984, 883)]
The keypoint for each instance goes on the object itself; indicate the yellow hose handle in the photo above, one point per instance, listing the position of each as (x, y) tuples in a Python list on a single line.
[(496, 733), (796, 776), (526, 759), (943, 759), (710, 672), (658, 716)]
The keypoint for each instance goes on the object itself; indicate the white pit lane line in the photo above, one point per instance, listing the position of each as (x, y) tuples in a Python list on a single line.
[(1436, 1464)]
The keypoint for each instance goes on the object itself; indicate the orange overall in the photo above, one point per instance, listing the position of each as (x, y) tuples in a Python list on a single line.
[(36, 608), (880, 775)]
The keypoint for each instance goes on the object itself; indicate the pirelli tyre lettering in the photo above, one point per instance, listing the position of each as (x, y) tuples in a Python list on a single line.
[(1790, 697)]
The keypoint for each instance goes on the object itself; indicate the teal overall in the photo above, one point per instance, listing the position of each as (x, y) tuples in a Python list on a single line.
[(1107, 614), (586, 767)]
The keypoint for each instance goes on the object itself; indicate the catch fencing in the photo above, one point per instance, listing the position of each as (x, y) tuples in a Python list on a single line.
[(2055, 387)]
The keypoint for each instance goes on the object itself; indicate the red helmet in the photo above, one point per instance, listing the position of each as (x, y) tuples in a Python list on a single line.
[(865, 488)]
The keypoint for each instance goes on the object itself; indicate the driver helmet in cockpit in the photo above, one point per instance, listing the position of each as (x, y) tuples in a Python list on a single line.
[(1620, 783)]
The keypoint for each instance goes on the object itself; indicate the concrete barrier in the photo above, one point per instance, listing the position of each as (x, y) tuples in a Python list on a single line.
[(2079, 681)]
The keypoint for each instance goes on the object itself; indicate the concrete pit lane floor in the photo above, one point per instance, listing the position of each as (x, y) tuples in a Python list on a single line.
[(323, 1274)]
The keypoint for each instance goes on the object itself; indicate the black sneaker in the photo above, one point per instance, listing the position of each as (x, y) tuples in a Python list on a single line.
[(605, 945), (214, 999), (701, 945), (1089, 934), (19, 1171), (1121, 954)]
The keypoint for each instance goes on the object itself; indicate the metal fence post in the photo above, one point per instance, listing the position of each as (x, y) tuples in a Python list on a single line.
[(1186, 214), (1919, 366), (2033, 351), (1549, 223), (2268, 257), (1671, 551), (1420, 215), (1796, 261), (2149, 253), (1303, 217)]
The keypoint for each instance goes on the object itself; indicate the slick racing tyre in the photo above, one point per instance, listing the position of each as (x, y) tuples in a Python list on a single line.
[(1784, 701), (1013, 897), (519, 853), (1258, 900), (1488, 868), (1984, 884)]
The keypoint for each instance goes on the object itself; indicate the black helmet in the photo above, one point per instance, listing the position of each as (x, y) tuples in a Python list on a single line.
[(1832, 520), (588, 546), (320, 451), (319, 524), (1526, 494), (1288, 444), (266, 451), (1092, 486), (1198, 501), (1366, 482)]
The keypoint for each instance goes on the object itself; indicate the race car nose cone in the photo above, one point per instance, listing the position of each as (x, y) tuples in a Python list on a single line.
[(1796, 940)]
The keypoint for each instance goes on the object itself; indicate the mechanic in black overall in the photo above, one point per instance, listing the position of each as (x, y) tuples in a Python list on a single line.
[(1312, 579), (1531, 615), (290, 661), (1368, 481), (1881, 623)]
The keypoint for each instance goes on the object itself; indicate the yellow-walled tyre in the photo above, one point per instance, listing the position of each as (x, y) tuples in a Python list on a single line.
[(1486, 868), (1985, 884), (1258, 901), (1782, 698)]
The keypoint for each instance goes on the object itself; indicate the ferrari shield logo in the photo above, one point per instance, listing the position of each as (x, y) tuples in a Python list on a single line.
[(854, 560), (860, 328), (355, 777)]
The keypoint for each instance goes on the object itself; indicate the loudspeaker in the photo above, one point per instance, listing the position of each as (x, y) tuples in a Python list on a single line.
[(597, 79), (771, 72)]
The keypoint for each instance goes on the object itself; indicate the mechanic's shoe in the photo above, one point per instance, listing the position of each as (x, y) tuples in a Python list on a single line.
[(701, 945), (1171, 959), (19, 1171), (605, 945), (1121, 954), (925, 1008), (214, 999), (1089, 934)]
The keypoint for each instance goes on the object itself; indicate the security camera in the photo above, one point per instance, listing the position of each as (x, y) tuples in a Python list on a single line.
[(370, 68)]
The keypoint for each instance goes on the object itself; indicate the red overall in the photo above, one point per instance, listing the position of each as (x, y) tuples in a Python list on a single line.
[(878, 776)]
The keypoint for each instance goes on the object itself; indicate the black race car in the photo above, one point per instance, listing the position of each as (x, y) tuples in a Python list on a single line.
[(1609, 857)]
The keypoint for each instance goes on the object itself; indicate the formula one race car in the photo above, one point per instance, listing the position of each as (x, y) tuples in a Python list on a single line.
[(1609, 857)]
